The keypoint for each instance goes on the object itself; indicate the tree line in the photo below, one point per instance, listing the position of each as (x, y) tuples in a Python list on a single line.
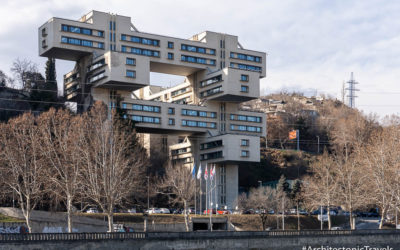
[(359, 169), (87, 159)]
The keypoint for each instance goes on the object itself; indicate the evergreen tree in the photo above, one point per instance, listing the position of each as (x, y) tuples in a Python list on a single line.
[(44, 91), (283, 185), (51, 70)]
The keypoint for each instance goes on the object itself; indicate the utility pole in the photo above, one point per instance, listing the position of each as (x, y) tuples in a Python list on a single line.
[(351, 91), (298, 139), (318, 144)]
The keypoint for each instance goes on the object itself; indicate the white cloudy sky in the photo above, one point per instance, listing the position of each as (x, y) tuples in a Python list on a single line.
[(312, 45)]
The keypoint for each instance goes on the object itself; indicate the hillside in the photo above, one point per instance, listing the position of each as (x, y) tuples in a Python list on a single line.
[(323, 123)]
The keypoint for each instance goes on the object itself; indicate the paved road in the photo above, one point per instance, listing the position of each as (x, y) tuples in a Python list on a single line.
[(367, 223)]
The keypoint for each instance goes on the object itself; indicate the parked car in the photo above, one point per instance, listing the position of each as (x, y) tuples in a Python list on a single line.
[(154, 210), (131, 210), (248, 211), (92, 210), (303, 212), (164, 211)]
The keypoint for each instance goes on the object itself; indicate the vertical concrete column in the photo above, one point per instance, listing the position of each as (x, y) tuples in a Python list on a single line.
[(232, 184)]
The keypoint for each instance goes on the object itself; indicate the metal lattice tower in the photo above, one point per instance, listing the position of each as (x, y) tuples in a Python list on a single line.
[(351, 90)]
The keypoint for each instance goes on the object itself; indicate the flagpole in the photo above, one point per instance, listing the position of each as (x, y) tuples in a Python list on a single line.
[(215, 189), (195, 196), (206, 188), (200, 191)]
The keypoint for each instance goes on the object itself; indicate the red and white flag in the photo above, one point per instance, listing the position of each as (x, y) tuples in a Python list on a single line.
[(206, 174), (212, 173)]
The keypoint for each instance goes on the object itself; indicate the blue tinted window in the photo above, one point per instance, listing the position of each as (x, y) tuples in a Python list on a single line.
[(100, 45), (87, 43), (87, 31), (130, 73), (170, 45), (135, 39), (130, 61), (170, 56)]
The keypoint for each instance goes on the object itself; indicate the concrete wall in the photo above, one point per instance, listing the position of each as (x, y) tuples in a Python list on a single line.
[(48, 222), (253, 240)]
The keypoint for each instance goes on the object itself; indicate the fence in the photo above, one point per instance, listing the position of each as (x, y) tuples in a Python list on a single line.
[(182, 235)]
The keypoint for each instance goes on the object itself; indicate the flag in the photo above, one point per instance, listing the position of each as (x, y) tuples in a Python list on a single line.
[(194, 171), (212, 173), (205, 174), (292, 134), (199, 172)]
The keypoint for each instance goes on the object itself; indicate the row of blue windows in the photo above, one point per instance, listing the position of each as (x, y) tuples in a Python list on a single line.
[(200, 60), (96, 65), (209, 156), (179, 91), (246, 67), (191, 112), (197, 49), (199, 124), (136, 39), (212, 91), (130, 73), (246, 57), (245, 128), (181, 151), (210, 81), (79, 30), (97, 77), (146, 119), (212, 144), (182, 101), (130, 61), (245, 118), (138, 51), (80, 42), (147, 108)]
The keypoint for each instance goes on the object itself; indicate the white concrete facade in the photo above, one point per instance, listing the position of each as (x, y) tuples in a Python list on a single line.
[(114, 59)]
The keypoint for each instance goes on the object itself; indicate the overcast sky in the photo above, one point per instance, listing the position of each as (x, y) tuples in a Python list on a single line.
[(312, 45)]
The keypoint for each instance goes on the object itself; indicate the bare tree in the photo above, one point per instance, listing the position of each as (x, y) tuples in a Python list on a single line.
[(382, 160), (320, 189), (61, 141), (263, 199), (22, 170), (282, 192), (113, 161), (25, 71), (179, 185), (352, 183)]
